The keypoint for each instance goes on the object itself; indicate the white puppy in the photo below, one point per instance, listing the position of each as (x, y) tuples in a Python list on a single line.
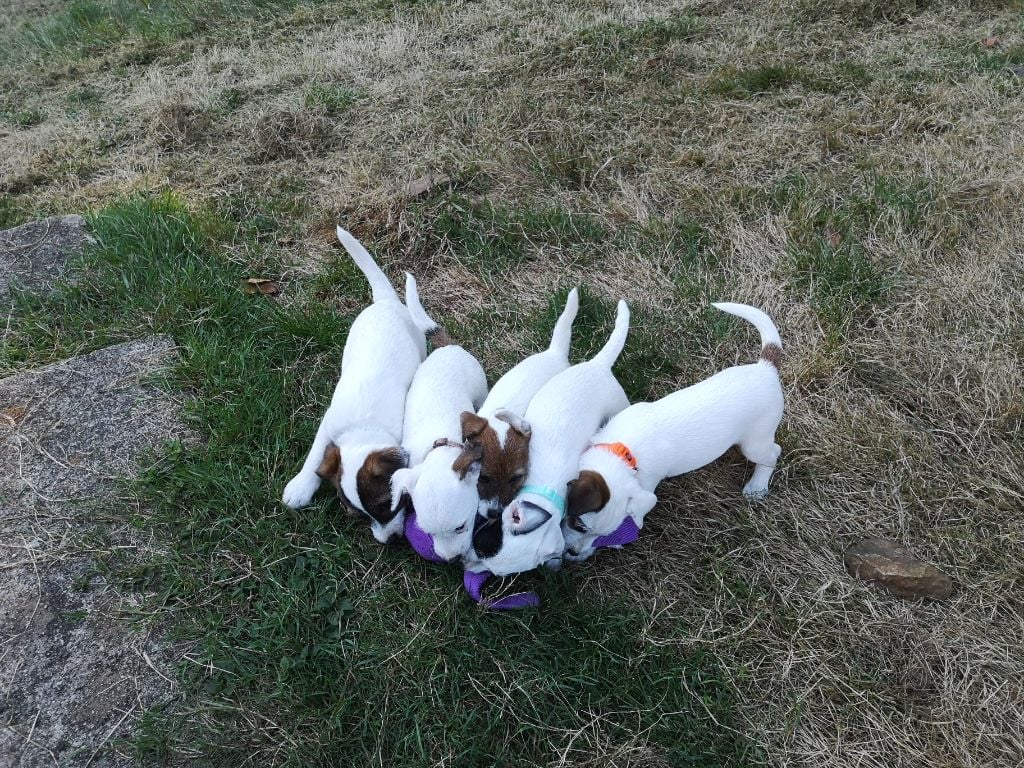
[(563, 416), (357, 443), (449, 382), (446, 490), (648, 442), (497, 436)]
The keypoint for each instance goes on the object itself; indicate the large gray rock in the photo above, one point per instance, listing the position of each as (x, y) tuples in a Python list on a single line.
[(33, 255), (74, 672)]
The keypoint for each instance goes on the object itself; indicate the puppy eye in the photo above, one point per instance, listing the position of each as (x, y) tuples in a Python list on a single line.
[(461, 528), (485, 479), (578, 525)]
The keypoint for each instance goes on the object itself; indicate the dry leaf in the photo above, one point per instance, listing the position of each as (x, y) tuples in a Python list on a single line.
[(834, 238), (991, 42), (13, 415), (419, 187), (287, 240), (261, 285)]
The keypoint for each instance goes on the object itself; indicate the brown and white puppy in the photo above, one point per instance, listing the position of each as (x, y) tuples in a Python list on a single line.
[(497, 437), (358, 443), (648, 442)]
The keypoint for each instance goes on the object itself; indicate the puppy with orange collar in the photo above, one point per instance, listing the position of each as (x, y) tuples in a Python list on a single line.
[(682, 432), (358, 444)]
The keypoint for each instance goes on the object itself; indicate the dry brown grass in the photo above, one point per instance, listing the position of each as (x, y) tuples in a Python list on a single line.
[(903, 415)]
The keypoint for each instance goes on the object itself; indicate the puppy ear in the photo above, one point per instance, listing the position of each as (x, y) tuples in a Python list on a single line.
[(384, 463), (472, 425), (402, 484), (330, 467), (639, 504), (471, 454), (588, 493), (526, 517), (514, 420)]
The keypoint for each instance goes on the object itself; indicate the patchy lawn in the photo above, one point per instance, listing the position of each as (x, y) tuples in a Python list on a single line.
[(852, 167)]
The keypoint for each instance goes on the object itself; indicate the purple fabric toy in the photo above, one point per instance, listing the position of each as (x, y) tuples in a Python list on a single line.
[(422, 542)]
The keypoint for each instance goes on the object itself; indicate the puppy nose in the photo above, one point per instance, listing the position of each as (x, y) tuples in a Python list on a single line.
[(394, 538)]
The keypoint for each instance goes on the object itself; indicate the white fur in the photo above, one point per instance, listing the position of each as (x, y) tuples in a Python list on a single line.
[(384, 348), (449, 382), (446, 505), (514, 391), (563, 416), (684, 431)]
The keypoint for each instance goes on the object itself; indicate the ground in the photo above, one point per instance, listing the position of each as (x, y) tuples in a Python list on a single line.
[(851, 167)]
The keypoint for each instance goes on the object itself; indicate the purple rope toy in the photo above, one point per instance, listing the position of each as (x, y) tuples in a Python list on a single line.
[(423, 544)]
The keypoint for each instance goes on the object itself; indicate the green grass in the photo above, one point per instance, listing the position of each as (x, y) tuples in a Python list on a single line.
[(335, 99), (493, 239), (89, 26), (298, 659)]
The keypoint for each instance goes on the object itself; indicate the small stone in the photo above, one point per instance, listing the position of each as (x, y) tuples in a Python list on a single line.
[(417, 188), (896, 569), (1018, 71)]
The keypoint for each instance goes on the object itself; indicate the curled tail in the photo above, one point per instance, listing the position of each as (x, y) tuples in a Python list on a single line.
[(434, 332), (610, 351), (771, 342), (562, 334), (379, 283)]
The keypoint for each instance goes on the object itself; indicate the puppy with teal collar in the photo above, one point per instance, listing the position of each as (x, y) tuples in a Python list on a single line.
[(563, 416), (648, 442)]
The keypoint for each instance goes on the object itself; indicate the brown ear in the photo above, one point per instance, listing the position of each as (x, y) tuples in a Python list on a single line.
[(330, 467), (384, 463), (471, 453), (588, 493), (472, 425)]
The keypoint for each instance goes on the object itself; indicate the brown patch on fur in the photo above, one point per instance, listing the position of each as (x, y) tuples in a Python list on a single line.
[(373, 482), (588, 493), (330, 467), (503, 470), (773, 354), (471, 453), (439, 337)]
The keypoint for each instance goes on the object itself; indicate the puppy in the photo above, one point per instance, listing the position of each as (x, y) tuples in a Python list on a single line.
[(357, 443), (497, 437), (437, 485), (490, 465), (648, 442), (563, 416)]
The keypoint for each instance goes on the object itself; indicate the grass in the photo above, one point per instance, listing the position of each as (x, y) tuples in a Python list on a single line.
[(850, 167), (299, 636)]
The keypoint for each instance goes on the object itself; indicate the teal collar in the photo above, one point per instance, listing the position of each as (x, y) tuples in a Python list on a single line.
[(547, 492)]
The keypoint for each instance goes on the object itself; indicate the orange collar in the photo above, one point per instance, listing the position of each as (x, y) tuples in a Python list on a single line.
[(621, 451)]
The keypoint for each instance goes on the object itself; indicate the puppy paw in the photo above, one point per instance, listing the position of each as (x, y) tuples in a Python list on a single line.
[(573, 558), (755, 492), (299, 491)]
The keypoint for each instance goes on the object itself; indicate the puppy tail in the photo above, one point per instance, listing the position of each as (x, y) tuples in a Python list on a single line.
[(771, 342), (562, 334), (379, 283), (610, 351), (434, 332)]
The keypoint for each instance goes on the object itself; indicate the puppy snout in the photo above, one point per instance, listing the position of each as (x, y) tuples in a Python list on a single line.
[(394, 538)]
